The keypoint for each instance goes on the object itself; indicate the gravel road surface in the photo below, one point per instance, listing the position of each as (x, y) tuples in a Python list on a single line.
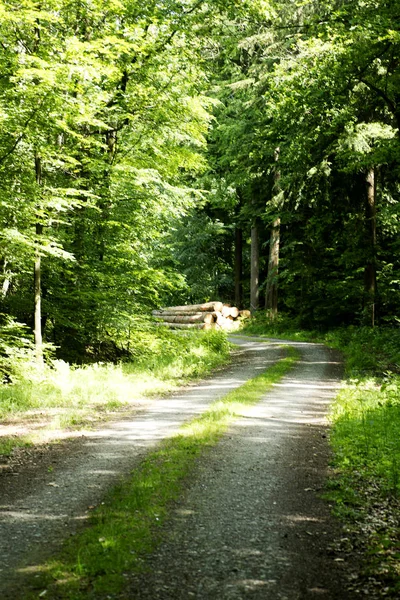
[(250, 524), (45, 494)]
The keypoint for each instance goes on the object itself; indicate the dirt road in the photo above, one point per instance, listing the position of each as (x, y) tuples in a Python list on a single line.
[(250, 524)]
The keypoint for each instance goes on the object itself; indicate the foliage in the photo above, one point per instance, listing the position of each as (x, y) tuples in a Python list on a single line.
[(318, 82), (366, 420), (202, 249), (16, 349), (368, 352), (136, 140), (103, 121), (365, 483)]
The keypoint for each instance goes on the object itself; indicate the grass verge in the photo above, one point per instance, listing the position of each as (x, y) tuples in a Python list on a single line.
[(126, 526), (365, 484), (63, 397)]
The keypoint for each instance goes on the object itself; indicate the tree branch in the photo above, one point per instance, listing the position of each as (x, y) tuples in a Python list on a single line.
[(381, 94), (18, 140)]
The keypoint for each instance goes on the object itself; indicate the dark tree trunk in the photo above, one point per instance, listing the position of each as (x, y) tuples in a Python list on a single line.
[(238, 267), (37, 278), (255, 268)]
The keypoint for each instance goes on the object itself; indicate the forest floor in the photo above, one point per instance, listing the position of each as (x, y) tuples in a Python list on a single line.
[(251, 522)]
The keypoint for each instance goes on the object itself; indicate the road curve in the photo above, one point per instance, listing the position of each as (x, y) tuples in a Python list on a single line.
[(46, 498), (251, 523)]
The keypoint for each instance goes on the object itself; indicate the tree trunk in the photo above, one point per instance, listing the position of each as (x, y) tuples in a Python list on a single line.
[(238, 267), (6, 279), (38, 302), (271, 295), (370, 268), (271, 292), (255, 269), (175, 313), (230, 311), (37, 278)]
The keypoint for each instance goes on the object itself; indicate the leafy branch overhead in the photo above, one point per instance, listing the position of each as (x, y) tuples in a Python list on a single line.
[(159, 153)]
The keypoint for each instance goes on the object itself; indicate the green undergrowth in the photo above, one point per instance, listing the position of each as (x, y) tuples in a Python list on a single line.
[(365, 483), (364, 488), (282, 327), (366, 431), (63, 396), (127, 525)]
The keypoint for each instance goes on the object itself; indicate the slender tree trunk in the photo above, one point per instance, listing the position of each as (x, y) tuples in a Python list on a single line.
[(238, 267), (255, 268), (5, 287), (271, 294), (37, 278), (6, 279), (370, 269)]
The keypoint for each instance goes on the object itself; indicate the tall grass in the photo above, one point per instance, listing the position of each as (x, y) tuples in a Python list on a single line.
[(366, 414), (365, 487), (63, 396), (366, 431)]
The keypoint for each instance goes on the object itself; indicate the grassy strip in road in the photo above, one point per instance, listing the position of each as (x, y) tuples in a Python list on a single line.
[(126, 527)]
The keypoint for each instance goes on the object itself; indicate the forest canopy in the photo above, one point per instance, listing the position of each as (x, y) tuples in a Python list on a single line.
[(178, 151)]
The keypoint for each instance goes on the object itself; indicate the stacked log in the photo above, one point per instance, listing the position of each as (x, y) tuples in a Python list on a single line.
[(210, 315), (193, 308)]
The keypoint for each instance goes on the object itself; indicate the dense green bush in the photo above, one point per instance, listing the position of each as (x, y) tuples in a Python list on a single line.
[(16, 349), (368, 351)]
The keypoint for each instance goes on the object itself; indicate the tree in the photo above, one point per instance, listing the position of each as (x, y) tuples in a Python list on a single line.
[(104, 120)]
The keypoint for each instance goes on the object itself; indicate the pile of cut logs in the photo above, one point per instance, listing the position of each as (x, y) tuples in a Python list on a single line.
[(210, 315)]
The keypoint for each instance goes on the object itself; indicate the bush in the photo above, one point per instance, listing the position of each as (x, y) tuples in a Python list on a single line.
[(17, 353)]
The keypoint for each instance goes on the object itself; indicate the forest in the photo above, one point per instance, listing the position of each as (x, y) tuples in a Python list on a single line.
[(180, 151)]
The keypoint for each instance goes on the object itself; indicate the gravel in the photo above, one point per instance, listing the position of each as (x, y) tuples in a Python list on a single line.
[(250, 523)]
